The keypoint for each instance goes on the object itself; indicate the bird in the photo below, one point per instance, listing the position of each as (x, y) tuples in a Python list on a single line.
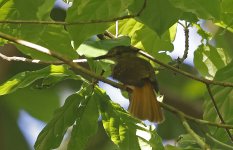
[(137, 74)]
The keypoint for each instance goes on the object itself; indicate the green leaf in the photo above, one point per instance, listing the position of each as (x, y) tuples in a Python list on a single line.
[(223, 98), (52, 134), (157, 14), (141, 37), (155, 45), (24, 79), (86, 123), (189, 17), (126, 27), (166, 129), (91, 48), (12, 9), (227, 6), (123, 128), (208, 60), (207, 9), (52, 37), (15, 10), (82, 10), (49, 38), (55, 38)]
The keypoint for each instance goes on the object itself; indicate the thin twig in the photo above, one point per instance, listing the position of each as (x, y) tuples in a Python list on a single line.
[(181, 24), (218, 112), (203, 80), (109, 34), (186, 34), (199, 140), (37, 22), (219, 142)]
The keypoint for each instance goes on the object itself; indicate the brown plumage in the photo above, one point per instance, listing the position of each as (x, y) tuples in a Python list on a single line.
[(144, 104), (137, 73)]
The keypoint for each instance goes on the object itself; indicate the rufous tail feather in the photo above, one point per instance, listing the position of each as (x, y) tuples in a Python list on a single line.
[(144, 104)]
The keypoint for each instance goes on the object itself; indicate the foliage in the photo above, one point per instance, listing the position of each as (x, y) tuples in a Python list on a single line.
[(146, 24)]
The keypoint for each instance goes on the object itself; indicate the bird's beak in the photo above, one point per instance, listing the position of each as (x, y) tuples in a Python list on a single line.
[(106, 56)]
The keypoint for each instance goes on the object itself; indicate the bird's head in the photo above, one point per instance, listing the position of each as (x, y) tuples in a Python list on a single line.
[(119, 52)]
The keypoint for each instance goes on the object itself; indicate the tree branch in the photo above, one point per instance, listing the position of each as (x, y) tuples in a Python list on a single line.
[(75, 22), (199, 140), (93, 75), (218, 112), (200, 121), (36, 61)]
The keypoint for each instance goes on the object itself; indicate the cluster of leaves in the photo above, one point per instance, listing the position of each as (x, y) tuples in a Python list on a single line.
[(153, 30)]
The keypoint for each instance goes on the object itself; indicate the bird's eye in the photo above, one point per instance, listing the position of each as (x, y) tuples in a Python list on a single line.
[(118, 52)]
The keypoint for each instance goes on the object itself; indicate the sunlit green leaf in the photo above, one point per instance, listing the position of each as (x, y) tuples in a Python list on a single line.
[(15, 10), (123, 129), (53, 37), (152, 46), (87, 10), (126, 27), (141, 37), (24, 79), (209, 59)]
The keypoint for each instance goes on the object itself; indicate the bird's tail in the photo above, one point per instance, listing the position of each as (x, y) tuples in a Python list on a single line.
[(144, 104)]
